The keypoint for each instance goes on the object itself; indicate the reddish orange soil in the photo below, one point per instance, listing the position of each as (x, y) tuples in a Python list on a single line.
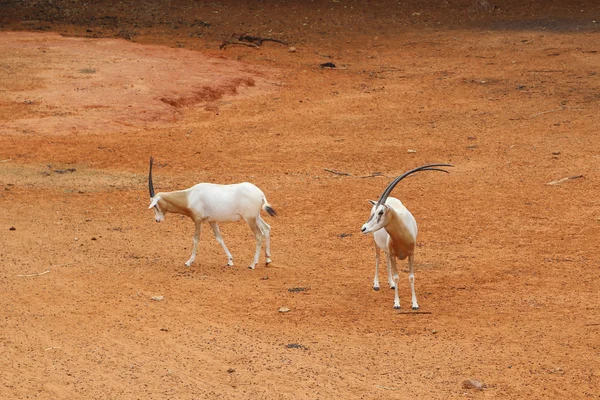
[(507, 265)]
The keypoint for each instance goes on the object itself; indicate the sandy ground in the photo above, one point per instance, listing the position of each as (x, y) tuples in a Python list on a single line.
[(507, 265)]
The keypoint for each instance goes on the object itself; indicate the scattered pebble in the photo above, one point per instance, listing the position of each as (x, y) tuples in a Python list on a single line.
[(231, 370), (556, 153), (411, 151), (472, 384), (297, 289), (292, 49), (12, 228), (296, 346), (284, 310), (157, 298)]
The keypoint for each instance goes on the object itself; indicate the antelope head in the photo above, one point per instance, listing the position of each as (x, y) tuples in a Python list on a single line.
[(159, 215), (380, 213)]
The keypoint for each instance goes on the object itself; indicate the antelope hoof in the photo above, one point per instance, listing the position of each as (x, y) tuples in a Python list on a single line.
[(230, 263), (188, 264), (376, 288), (393, 287), (251, 267), (396, 307), (415, 308), (268, 261)]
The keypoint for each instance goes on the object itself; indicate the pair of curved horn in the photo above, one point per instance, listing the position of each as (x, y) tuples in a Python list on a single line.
[(391, 186), (150, 184)]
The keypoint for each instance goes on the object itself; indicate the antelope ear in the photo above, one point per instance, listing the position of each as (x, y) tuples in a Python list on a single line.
[(372, 202), (154, 202)]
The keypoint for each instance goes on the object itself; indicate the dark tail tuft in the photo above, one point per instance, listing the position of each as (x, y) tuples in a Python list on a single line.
[(271, 211)]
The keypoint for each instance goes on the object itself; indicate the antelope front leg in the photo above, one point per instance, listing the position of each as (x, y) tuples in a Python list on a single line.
[(389, 271), (196, 240), (219, 238), (395, 278), (376, 279), (411, 279)]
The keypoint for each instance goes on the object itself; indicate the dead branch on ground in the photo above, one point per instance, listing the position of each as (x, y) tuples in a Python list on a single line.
[(562, 108), (259, 40), (333, 171), (559, 181), (249, 40), (38, 274), (342, 173)]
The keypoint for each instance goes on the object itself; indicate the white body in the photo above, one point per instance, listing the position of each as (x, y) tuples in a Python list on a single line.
[(225, 203), (383, 241), (213, 203)]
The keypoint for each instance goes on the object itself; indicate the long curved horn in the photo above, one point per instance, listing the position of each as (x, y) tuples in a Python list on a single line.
[(392, 185), (150, 184)]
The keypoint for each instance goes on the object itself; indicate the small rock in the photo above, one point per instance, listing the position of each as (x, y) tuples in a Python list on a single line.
[(297, 289), (12, 228), (296, 346), (472, 384), (284, 310), (292, 49), (157, 298), (411, 151), (556, 153), (230, 370)]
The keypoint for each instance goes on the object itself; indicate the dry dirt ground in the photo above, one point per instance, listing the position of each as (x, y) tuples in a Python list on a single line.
[(507, 265)]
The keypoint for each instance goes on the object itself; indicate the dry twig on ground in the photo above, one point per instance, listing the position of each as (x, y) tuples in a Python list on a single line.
[(248, 40), (333, 171), (38, 274), (559, 181)]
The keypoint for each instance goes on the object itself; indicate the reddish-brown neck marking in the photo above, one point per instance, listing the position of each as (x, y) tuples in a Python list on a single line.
[(401, 243), (174, 202)]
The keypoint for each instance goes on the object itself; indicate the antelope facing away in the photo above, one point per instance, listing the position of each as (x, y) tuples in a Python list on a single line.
[(212, 203), (395, 232)]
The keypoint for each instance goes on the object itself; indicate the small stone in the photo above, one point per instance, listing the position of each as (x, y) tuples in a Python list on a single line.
[(12, 228), (472, 384), (157, 298), (284, 310), (434, 331), (292, 49), (556, 153), (411, 151), (230, 370)]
